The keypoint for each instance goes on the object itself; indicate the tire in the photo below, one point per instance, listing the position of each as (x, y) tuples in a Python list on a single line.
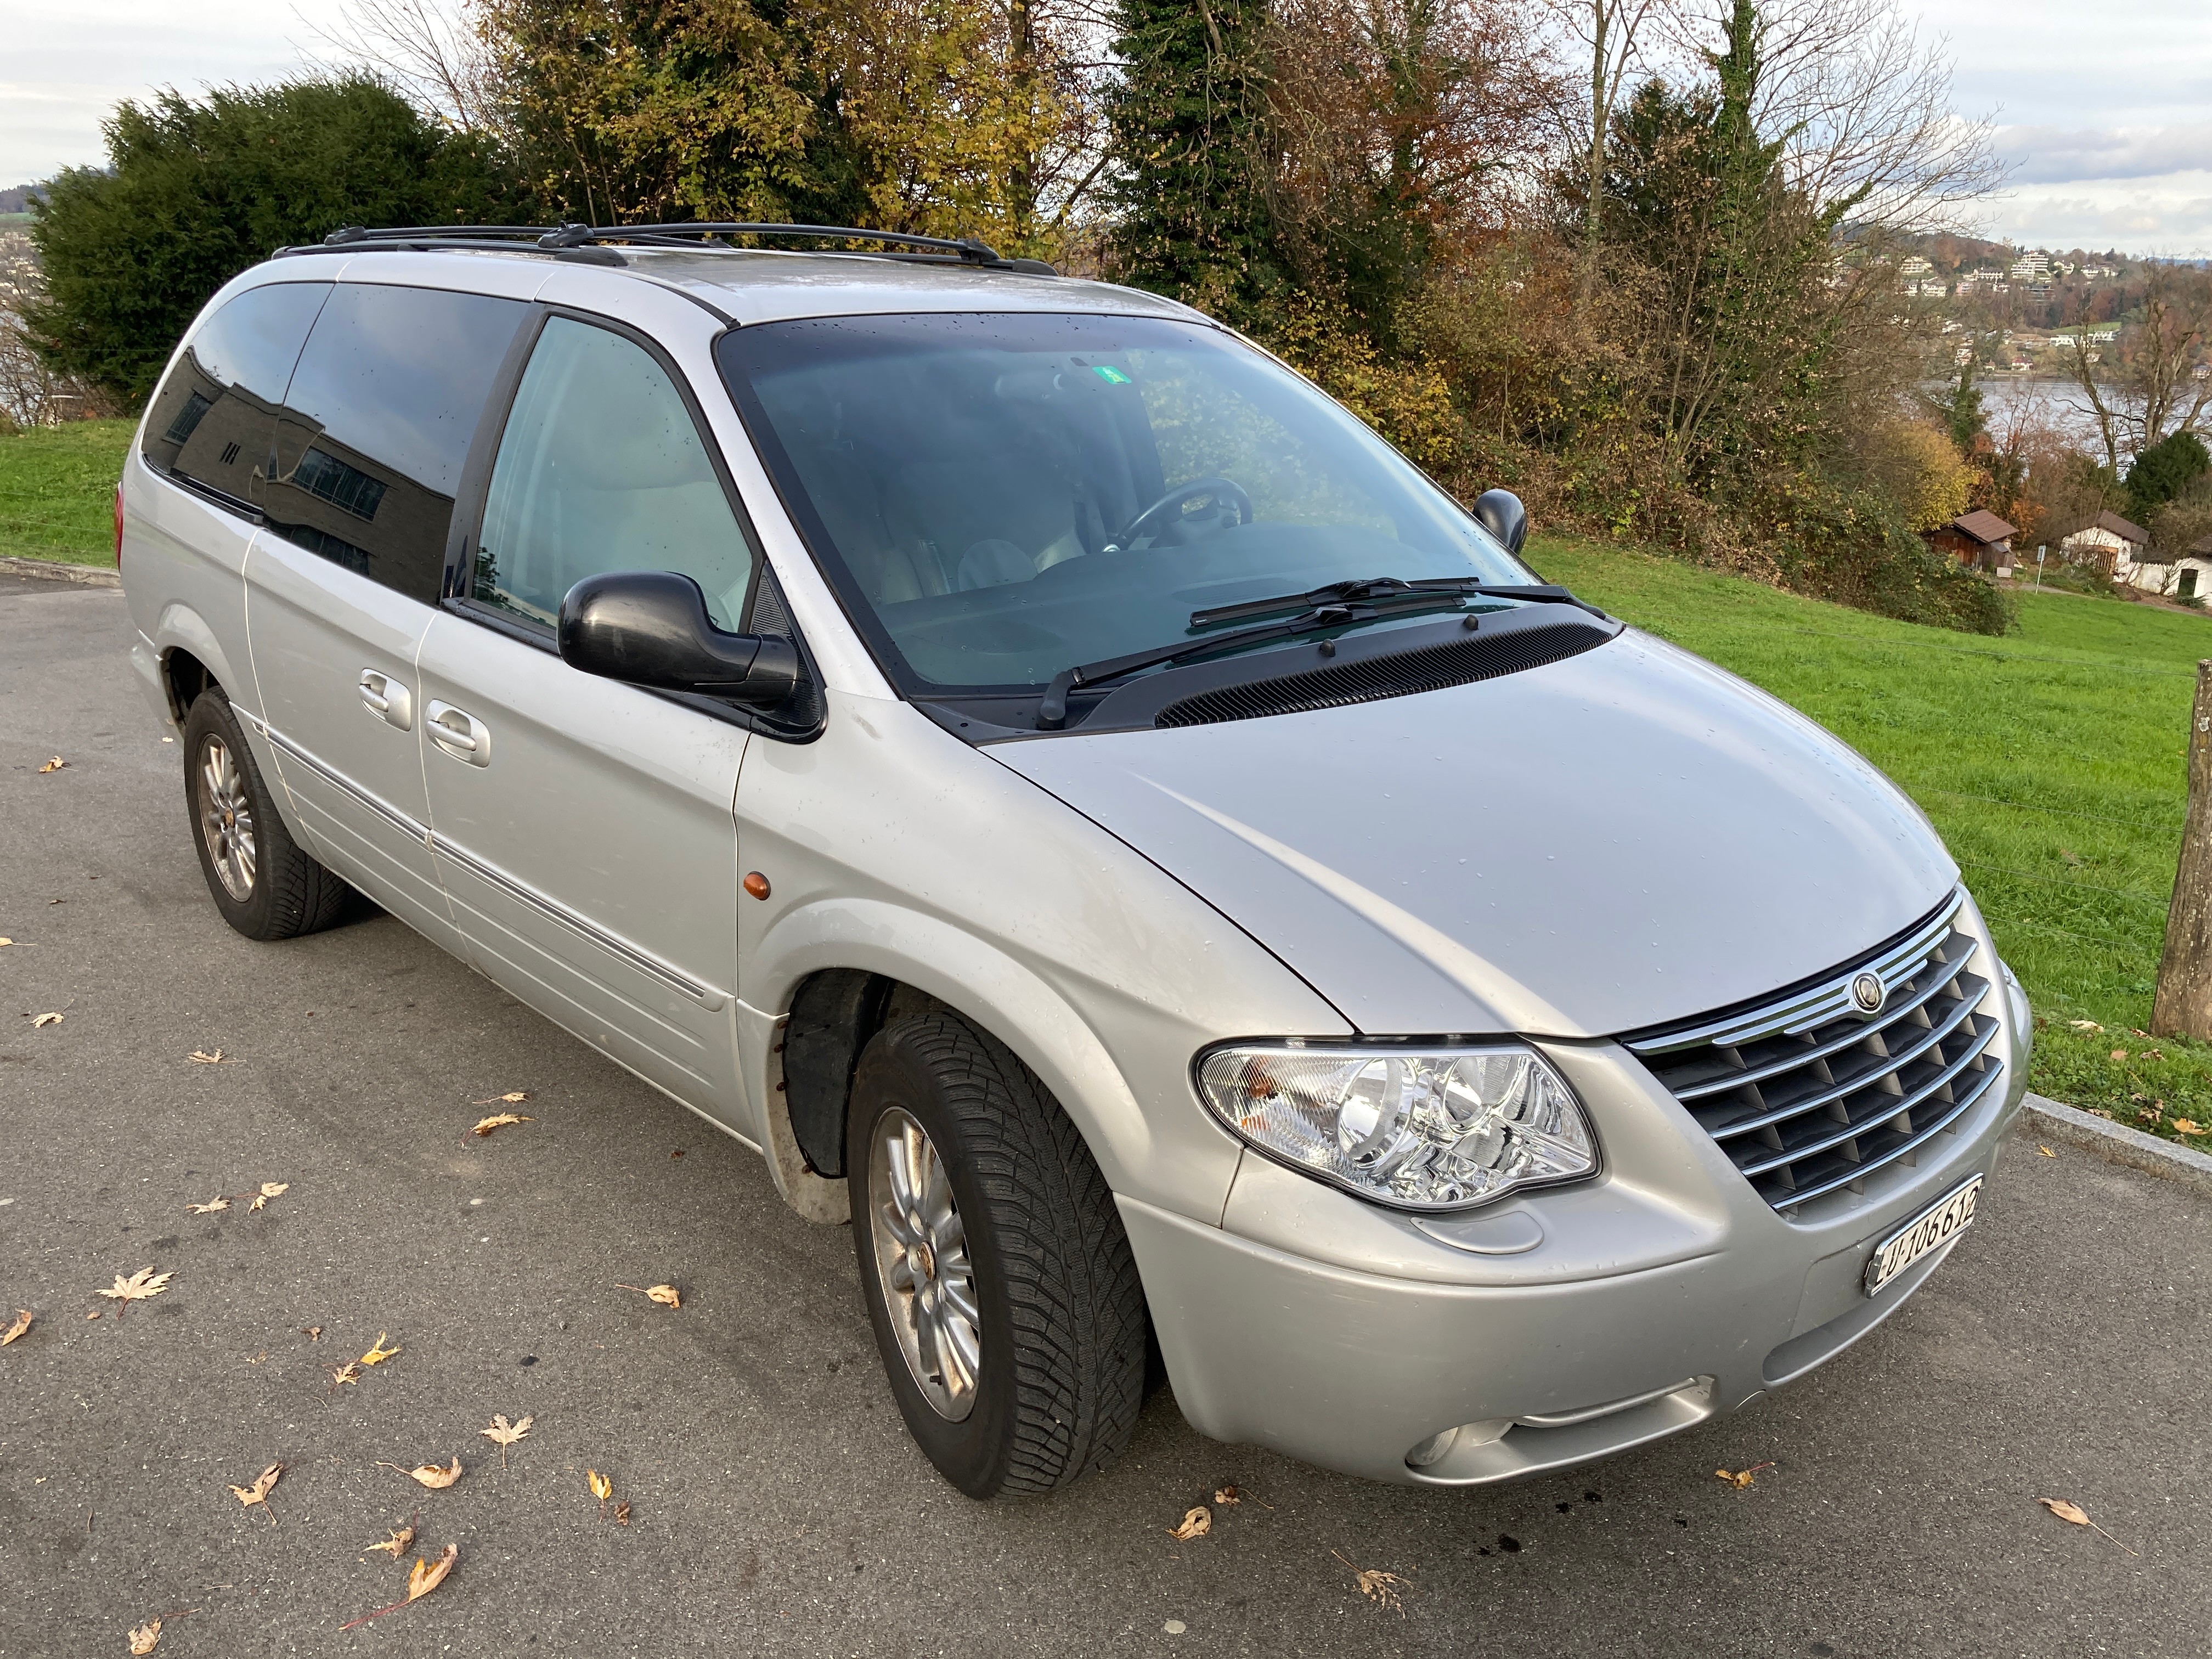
[(1059, 1312), (264, 885)]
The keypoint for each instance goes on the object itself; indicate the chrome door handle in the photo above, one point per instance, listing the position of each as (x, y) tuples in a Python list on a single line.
[(386, 699), (459, 734)]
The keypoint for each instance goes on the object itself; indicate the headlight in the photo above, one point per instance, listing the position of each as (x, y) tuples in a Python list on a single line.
[(1444, 1129)]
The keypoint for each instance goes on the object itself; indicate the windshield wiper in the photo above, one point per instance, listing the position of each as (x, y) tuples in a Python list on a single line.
[(1384, 587), (1052, 707)]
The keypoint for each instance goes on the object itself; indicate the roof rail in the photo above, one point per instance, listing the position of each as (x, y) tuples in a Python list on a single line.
[(597, 243)]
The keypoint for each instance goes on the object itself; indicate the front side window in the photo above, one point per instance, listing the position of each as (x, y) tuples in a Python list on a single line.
[(213, 420), (377, 425), (999, 498), (601, 468)]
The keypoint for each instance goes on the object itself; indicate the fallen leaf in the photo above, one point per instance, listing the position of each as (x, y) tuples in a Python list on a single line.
[(512, 1098), (664, 1294), (312, 1332), (602, 1488), (2119, 1054), (2183, 1126), (1226, 1496), (396, 1545), (6, 942), (202, 1057), (94, 1313), (144, 1636), (1379, 1587), (380, 1353), (45, 1019), (23, 1323), (428, 1575), (136, 1288), (2085, 1025), (499, 1121), (218, 1202), (1742, 1478), (2076, 1514), (622, 1514), (429, 1474), (268, 1190), (2046, 1151), (259, 1491), (1197, 1522), (54, 765), (505, 1434), (347, 1374)]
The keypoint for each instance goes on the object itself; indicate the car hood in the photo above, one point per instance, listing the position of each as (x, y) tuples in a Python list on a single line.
[(1621, 840)]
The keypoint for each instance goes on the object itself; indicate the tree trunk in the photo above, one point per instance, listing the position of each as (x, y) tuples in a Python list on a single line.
[(2184, 1004)]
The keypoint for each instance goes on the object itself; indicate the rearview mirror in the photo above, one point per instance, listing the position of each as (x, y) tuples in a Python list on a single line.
[(650, 628), (1500, 513)]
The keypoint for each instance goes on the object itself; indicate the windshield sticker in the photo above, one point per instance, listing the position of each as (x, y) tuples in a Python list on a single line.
[(1112, 376)]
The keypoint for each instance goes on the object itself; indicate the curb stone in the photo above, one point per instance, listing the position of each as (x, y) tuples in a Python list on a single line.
[(53, 570), (2118, 1143)]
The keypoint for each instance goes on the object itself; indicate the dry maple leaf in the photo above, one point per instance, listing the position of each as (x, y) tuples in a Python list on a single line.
[(2077, 1515), (602, 1488), (347, 1374), (2085, 1025), (1742, 1478), (37, 1020), (2183, 1126), (144, 1637), (621, 1515), (1224, 1496), (664, 1294), (218, 1202), (312, 1332), (268, 1190), (380, 1353), (505, 1433), (202, 1057), (396, 1545), (54, 765), (427, 1576), (1197, 1522), (23, 1323), (259, 1491), (1383, 1588), (429, 1474), (513, 1098), (136, 1288), (499, 1121)]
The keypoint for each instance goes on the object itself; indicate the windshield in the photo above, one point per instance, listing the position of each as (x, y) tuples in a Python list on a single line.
[(999, 497)]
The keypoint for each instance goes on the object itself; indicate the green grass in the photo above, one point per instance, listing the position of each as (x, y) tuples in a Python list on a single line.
[(2053, 761), (58, 490)]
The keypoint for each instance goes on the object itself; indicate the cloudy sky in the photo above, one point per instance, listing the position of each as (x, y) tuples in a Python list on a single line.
[(2103, 109)]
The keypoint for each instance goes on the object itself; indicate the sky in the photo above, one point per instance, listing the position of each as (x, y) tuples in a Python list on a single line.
[(2103, 109)]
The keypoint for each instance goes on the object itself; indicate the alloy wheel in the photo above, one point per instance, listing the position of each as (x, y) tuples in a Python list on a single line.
[(227, 818), (922, 1262)]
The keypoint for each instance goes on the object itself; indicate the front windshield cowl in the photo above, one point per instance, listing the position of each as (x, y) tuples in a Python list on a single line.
[(997, 497)]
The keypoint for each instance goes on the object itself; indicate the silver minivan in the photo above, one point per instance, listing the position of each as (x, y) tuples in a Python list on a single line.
[(1087, 812)]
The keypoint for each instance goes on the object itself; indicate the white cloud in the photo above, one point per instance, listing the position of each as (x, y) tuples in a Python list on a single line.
[(2170, 215), (2055, 154)]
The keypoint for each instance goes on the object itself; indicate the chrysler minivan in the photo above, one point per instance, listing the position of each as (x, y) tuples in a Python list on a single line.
[(1088, 813)]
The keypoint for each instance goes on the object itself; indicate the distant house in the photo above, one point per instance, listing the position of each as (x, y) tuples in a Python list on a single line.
[(2187, 576), (2108, 542), (1979, 539)]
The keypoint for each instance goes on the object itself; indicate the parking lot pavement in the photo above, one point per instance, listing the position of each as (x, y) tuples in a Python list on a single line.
[(776, 1505)]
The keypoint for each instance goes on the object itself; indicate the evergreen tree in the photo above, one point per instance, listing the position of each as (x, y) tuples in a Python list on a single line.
[(1962, 410), (1188, 129), (2164, 469)]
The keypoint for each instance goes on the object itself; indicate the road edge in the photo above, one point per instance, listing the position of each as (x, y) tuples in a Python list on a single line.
[(53, 570), (2119, 1144)]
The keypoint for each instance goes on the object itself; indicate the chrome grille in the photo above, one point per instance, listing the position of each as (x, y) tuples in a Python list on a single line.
[(1808, 1096)]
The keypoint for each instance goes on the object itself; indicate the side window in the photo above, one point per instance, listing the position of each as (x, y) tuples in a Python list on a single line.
[(376, 427), (215, 418), (601, 468)]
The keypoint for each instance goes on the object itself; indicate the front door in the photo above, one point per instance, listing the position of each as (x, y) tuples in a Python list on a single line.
[(586, 829), (370, 447)]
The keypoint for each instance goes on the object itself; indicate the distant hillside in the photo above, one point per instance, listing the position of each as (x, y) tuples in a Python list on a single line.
[(17, 200)]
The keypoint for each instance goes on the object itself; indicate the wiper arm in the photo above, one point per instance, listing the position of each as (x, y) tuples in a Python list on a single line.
[(1052, 707), (1384, 588)]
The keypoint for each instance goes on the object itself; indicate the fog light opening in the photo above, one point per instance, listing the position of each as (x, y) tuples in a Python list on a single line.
[(1466, 1437)]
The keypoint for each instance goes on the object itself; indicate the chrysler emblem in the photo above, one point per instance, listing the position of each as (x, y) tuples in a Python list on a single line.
[(1867, 993)]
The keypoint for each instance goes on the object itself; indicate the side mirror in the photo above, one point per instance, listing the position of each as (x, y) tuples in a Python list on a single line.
[(1500, 513), (650, 628)]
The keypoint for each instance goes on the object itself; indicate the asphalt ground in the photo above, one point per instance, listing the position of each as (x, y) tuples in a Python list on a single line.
[(777, 1504)]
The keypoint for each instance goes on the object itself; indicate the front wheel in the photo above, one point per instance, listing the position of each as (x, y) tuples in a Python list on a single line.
[(264, 885), (995, 1264)]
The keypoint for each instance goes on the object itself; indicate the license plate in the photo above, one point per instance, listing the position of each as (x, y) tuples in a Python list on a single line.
[(1932, 1229)]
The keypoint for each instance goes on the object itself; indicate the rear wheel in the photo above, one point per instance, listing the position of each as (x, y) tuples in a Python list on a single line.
[(996, 1270), (264, 885)]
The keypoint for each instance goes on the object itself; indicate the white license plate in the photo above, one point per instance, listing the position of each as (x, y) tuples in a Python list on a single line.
[(1931, 1230)]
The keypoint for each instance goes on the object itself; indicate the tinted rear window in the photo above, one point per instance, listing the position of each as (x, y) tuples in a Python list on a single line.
[(376, 427), (215, 418)]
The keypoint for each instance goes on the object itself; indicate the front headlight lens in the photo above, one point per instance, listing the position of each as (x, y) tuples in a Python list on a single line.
[(1420, 1130)]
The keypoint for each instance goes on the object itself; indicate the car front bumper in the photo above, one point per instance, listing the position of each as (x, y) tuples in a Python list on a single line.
[(1661, 1294)]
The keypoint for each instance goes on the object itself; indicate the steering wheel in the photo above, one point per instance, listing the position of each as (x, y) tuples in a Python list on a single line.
[(1149, 522)]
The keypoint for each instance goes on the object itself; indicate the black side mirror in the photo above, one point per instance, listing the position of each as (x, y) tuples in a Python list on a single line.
[(650, 628), (1500, 513)]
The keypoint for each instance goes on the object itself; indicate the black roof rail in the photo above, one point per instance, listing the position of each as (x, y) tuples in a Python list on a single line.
[(597, 243)]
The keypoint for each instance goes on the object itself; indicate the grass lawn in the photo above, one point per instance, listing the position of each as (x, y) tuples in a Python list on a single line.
[(58, 490), (2053, 760)]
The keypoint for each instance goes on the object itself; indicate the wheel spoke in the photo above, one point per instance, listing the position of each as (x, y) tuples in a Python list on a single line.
[(922, 1264)]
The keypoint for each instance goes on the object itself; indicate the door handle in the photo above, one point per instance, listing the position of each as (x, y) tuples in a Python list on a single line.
[(386, 699), (459, 734)]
